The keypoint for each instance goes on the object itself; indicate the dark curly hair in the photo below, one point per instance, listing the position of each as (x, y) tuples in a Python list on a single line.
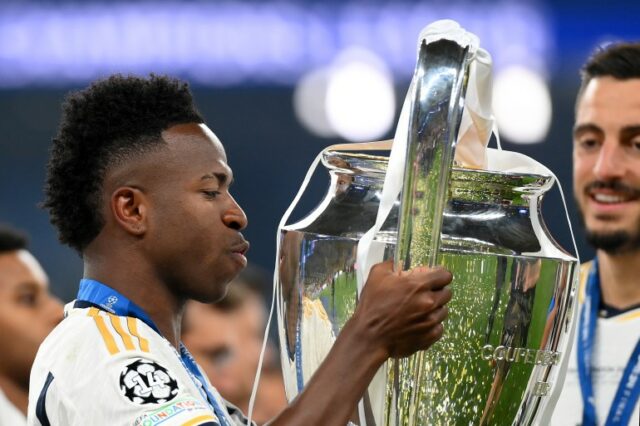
[(618, 60), (112, 121), (12, 239)]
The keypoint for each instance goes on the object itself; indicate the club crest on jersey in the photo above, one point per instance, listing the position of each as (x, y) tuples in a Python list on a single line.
[(146, 382)]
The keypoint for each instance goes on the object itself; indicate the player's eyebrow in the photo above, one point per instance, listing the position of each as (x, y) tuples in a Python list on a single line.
[(221, 178), (584, 128)]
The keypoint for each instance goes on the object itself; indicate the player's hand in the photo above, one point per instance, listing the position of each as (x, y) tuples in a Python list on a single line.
[(402, 312)]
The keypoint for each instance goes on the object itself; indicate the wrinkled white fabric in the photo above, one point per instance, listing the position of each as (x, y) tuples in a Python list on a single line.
[(477, 119)]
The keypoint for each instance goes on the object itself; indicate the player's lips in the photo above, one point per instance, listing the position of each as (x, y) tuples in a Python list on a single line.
[(241, 247), (610, 197), (239, 250)]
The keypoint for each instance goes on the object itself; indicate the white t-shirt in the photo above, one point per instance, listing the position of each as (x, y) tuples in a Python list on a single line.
[(615, 339), (9, 414), (98, 368)]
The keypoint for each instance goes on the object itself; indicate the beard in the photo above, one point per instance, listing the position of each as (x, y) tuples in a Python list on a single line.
[(615, 241), (612, 242)]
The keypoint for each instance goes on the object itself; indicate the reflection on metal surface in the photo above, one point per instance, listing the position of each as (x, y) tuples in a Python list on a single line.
[(507, 320), (439, 84)]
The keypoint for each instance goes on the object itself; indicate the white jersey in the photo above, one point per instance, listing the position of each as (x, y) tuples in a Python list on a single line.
[(9, 414), (615, 339), (98, 368)]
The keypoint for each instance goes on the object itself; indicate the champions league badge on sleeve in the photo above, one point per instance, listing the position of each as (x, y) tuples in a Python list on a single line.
[(146, 382)]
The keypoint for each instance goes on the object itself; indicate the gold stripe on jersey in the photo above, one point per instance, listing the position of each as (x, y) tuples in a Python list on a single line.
[(199, 420), (627, 316), (126, 338), (104, 331), (133, 328), (585, 268)]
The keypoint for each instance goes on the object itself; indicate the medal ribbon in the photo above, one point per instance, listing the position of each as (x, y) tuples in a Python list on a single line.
[(629, 388)]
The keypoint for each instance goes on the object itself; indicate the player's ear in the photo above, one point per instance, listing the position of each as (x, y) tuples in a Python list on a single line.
[(129, 209)]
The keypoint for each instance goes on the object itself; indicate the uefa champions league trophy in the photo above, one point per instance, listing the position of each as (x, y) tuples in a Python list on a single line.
[(506, 339)]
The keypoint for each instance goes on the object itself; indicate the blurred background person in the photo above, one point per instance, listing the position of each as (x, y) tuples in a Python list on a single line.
[(28, 312), (602, 385), (226, 337)]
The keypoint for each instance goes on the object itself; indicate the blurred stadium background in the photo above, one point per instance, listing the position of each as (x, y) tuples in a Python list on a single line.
[(278, 80)]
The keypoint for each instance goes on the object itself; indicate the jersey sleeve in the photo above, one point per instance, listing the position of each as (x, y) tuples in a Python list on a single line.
[(111, 373)]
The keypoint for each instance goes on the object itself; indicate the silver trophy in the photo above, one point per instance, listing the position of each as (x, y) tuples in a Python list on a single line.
[(499, 361)]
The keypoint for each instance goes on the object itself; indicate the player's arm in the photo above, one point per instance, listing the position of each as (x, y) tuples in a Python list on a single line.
[(398, 314)]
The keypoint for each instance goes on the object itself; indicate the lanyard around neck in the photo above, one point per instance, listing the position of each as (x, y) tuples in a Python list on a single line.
[(629, 388)]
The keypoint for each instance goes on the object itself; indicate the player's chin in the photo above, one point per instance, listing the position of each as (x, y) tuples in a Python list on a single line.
[(214, 290), (209, 296)]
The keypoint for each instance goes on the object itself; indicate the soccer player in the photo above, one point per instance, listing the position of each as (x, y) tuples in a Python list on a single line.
[(602, 385)]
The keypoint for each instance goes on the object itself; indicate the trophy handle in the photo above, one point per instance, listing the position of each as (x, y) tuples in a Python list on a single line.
[(438, 94), (437, 102)]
